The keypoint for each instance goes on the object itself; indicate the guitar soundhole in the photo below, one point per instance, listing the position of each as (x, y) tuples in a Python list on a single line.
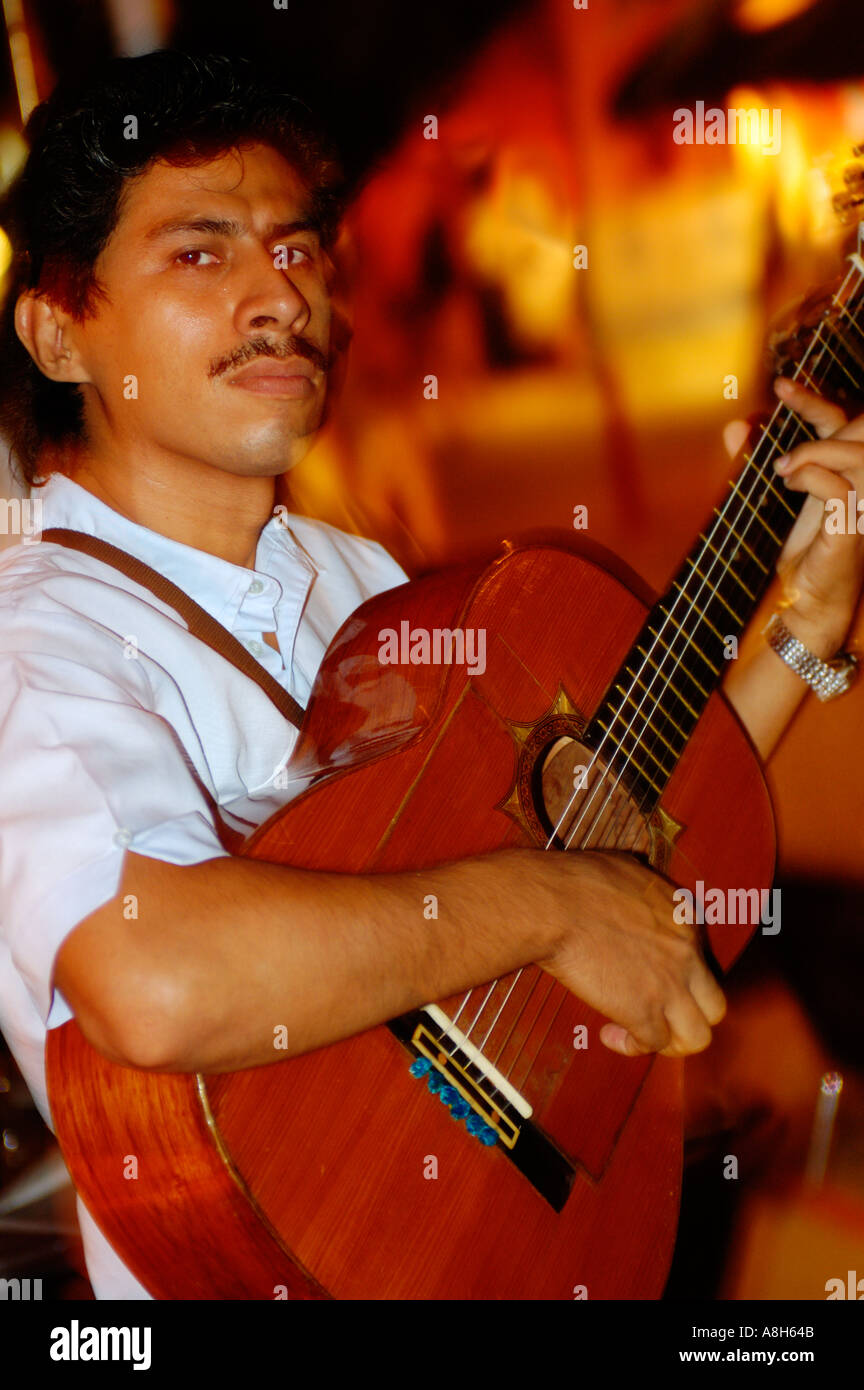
[(576, 799)]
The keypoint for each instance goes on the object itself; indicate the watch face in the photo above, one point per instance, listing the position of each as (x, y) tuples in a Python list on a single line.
[(845, 665), (846, 669), (839, 676)]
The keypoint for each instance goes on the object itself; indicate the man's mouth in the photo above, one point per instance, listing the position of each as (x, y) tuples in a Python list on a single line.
[(267, 376)]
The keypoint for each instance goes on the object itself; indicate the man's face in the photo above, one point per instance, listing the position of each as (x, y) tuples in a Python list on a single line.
[(204, 316)]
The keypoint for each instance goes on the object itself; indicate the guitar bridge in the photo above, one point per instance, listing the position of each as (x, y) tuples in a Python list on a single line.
[(493, 1110), (466, 1075)]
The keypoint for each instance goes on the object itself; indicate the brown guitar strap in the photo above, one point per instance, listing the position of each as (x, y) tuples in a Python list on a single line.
[(199, 622)]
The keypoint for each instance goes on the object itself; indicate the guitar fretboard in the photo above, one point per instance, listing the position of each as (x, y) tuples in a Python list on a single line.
[(682, 652)]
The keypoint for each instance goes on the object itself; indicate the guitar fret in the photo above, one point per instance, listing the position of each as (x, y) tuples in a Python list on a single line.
[(850, 347), (814, 386), (669, 684), (702, 615), (694, 645), (778, 497), (764, 568), (770, 481), (630, 700), (729, 569), (762, 522), (714, 590), (840, 363), (666, 715), (618, 718), (688, 674), (630, 759), (851, 317)]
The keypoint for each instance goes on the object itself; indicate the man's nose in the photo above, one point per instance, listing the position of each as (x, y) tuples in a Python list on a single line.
[(271, 299)]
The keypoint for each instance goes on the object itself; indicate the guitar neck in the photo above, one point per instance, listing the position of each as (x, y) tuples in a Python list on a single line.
[(680, 656)]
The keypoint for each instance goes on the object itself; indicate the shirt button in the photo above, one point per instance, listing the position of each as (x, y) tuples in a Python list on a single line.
[(256, 587), (123, 838), (255, 648)]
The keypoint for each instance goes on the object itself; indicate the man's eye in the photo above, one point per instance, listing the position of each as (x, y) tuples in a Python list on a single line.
[(182, 256), (283, 255)]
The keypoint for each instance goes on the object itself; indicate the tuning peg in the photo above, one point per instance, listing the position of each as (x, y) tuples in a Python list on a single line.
[(853, 176)]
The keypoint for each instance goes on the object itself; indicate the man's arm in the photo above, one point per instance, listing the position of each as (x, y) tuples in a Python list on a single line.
[(224, 952), (821, 572), (766, 693)]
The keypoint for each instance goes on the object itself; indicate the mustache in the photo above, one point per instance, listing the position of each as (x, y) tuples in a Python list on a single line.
[(263, 347)]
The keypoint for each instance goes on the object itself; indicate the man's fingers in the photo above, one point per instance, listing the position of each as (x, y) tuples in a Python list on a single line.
[(628, 1044), (617, 1039), (688, 1028), (826, 417), (708, 995), (683, 1028), (835, 455), (734, 436)]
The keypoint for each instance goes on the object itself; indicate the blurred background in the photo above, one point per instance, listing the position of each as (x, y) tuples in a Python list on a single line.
[(494, 386)]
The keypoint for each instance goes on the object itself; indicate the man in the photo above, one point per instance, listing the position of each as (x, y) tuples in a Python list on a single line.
[(174, 339)]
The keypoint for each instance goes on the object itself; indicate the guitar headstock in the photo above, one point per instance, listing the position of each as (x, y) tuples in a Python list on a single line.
[(847, 204), (825, 326)]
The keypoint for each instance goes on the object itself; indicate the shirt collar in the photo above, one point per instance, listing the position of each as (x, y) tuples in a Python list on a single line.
[(220, 587)]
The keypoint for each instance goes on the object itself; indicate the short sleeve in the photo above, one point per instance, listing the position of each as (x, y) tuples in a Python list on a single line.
[(87, 772)]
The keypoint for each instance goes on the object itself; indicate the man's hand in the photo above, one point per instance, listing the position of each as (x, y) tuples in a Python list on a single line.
[(623, 953), (821, 573)]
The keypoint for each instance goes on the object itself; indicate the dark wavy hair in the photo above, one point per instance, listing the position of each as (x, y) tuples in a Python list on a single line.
[(61, 209)]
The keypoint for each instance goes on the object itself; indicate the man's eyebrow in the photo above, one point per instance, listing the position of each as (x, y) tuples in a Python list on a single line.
[(229, 227)]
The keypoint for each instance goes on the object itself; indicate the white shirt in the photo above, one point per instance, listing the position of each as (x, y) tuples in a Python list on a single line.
[(107, 702)]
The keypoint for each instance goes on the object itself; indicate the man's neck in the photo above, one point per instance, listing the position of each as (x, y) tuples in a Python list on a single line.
[(204, 507)]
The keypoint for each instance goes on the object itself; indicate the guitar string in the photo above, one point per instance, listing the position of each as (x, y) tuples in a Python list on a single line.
[(687, 642), (824, 347), (685, 639), (669, 652), (758, 476), (502, 1006), (661, 673), (481, 1045), (553, 983), (634, 810), (638, 809), (611, 826), (540, 974), (766, 436)]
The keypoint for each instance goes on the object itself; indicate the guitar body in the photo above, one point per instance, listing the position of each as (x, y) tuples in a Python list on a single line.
[(339, 1174)]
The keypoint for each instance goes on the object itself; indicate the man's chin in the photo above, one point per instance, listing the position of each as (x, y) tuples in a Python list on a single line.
[(267, 455)]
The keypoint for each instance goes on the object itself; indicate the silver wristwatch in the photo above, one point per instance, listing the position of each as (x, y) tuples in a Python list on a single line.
[(827, 679)]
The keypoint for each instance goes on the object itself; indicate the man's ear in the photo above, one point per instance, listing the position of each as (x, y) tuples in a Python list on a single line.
[(46, 332)]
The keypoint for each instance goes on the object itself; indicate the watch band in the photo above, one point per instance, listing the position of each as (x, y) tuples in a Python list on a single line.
[(827, 679)]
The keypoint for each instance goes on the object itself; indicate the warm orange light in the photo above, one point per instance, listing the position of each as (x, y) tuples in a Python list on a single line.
[(516, 236), (13, 153), (5, 253), (765, 14)]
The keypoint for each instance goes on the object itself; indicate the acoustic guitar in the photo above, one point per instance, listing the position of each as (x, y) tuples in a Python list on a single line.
[(486, 1146)]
